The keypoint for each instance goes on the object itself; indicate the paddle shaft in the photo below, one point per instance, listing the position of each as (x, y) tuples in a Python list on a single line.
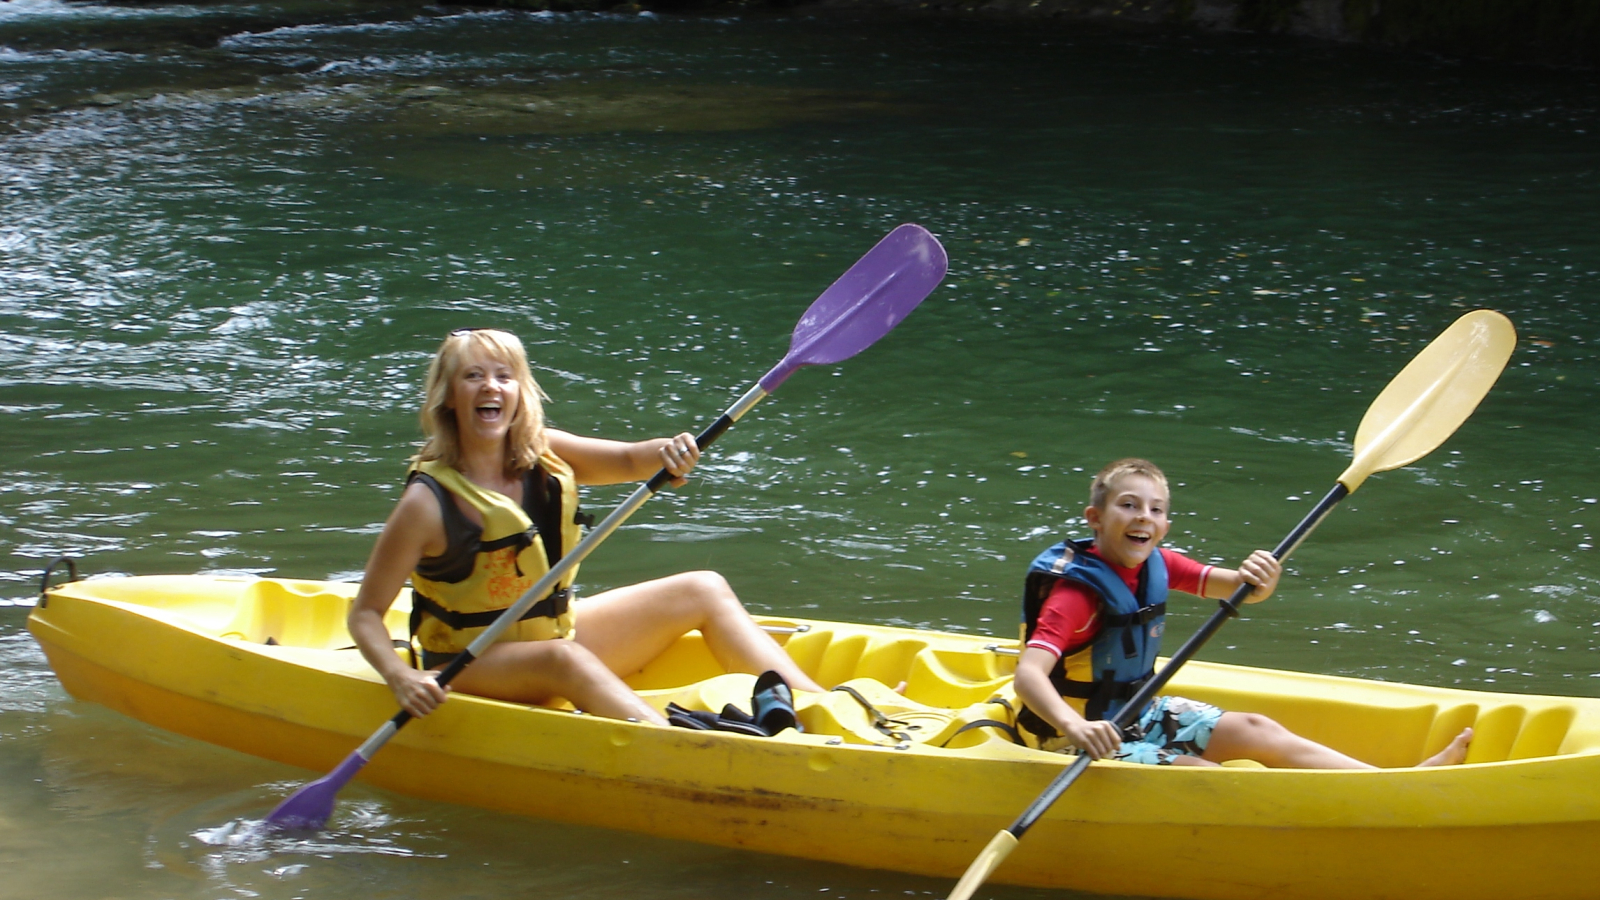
[(1226, 610), (564, 565)]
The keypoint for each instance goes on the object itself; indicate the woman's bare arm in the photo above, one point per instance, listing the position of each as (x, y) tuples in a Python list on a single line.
[(415, 529), (601, 461)]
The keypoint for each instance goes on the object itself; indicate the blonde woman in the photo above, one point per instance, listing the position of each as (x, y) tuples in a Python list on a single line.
[(489, 506)]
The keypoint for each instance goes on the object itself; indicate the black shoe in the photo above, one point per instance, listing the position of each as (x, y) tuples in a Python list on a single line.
[(773, 704), (732, 720), (690, 718)]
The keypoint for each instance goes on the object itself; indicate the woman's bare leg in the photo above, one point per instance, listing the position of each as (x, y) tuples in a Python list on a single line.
[(630, 626), (539, 671)]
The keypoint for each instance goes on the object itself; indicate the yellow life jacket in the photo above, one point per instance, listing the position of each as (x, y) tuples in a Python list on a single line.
[(483, 571)]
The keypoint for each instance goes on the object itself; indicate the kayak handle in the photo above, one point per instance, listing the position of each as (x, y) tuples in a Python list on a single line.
[(44, 580)]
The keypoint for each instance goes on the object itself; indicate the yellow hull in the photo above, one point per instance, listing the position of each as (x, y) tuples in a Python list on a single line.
[(188, 654)]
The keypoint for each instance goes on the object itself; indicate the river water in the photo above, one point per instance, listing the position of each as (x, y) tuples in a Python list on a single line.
[(233, 235)]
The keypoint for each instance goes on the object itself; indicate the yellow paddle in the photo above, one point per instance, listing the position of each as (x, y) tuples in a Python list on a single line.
[(1422, 406)]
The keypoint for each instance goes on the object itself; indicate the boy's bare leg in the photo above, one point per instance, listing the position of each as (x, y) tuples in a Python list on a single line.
[(1454, 753), (1257, 737)]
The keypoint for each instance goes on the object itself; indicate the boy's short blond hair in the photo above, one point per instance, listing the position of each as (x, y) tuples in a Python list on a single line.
[(1100, 488)]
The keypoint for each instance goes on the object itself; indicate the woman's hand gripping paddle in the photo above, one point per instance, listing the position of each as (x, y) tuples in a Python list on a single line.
[(1422, 406), (866, 302)]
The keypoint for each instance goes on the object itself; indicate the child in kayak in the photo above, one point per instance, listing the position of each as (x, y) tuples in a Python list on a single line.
[(489, 506), (1094, 616)]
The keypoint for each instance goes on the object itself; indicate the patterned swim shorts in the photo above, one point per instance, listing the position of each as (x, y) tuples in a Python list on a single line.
[(1171, 727)]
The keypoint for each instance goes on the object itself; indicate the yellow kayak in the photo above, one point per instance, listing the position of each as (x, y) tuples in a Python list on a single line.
[(879, 779)]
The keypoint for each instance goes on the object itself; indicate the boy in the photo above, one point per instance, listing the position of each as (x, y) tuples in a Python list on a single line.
[(1094, 616)]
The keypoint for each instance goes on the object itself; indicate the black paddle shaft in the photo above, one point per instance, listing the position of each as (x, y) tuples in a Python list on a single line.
[(712, 432), (1227, 609)]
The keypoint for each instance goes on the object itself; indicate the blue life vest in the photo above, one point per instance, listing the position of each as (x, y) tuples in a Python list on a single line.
[(1122, 655)]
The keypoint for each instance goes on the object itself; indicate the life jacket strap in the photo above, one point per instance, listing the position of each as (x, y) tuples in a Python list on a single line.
[(550, 607), (1105, 687), (1099, 696), (1143, 616), (520, 540), (1035, 724)]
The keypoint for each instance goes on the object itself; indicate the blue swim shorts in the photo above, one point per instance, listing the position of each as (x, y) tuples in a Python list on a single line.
[(1172, 727)]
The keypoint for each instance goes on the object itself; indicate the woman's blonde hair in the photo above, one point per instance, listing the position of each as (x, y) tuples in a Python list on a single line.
[(1101, 486), (524, 442)]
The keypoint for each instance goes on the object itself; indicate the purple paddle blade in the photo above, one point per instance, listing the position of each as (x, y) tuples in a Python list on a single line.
[(869, 299), (310, 807)]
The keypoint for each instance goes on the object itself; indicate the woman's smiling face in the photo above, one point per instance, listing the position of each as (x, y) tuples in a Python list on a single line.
[(484, 395), (1133, 522)]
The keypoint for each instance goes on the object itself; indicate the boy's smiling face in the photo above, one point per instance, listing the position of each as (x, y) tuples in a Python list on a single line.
[(1133, 522)]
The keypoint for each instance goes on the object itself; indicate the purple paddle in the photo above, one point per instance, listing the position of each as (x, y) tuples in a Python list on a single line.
[(867, 301)]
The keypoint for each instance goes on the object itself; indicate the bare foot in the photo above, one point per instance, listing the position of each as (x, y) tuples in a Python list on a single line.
[(1454, 752), (900, 689)]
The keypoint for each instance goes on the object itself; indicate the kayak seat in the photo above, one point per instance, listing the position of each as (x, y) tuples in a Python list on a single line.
[(867, 711), (888, 661), (956, 679), (290, 613), (980, 723), (840, 659), (831, 659)]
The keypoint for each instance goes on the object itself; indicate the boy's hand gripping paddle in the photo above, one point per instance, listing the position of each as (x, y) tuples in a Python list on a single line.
[(867, 301), (1422, 406)]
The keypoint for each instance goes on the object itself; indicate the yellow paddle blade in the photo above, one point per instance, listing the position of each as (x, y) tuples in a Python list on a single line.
[(990, 859), (1432, 395)]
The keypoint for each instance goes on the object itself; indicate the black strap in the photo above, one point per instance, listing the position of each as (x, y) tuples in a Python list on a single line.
[(883, 723), (521, 540), (1010, 730), (1143, 616), (550, 607), (1035, 724), (1097, 696), (1039, 728), (1111, 690)]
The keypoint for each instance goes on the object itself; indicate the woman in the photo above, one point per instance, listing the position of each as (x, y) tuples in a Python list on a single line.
[(489, 506)]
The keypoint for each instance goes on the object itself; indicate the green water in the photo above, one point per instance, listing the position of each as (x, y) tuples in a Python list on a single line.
[(232, 237)]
